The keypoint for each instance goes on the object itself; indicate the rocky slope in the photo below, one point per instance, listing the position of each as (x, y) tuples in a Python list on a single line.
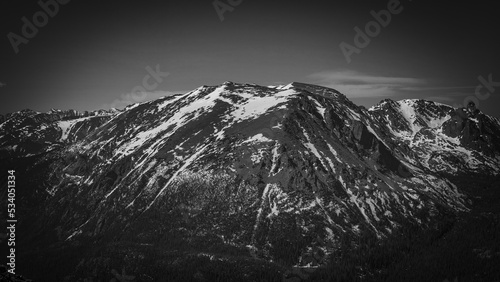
[(27, 132), (238, 174)]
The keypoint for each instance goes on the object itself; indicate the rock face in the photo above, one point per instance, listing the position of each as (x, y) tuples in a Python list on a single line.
[(277, 173), (28, 133), (438, 137)]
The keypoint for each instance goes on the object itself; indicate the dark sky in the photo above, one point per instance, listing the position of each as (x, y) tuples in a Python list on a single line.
[(91, 55)]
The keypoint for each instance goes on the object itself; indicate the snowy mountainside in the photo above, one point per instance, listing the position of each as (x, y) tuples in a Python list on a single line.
[(28, 132), (433, 137), (258, 168)]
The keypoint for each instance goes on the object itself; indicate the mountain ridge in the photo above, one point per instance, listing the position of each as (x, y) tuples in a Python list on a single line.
[(296, 165)]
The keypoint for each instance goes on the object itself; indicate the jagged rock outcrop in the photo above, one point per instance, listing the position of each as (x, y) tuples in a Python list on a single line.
[(27, 132)]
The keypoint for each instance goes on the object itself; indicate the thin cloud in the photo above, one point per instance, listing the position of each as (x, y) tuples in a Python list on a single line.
[(436, 88), (451, 96), (440, 98), (354, 77), (2, 84), (359, 85)]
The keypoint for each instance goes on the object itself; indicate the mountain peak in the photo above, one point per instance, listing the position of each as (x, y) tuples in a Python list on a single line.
[(253, 166)]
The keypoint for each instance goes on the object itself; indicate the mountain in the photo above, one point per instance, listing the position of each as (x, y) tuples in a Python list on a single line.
[(27, 132), (236, 181)]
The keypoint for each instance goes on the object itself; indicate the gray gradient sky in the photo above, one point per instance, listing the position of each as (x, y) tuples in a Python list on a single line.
[(91, 55)]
